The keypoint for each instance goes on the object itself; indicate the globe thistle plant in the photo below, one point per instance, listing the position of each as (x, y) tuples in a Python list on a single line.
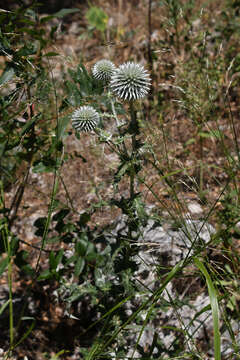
[(103, 70), (130, 81), (85, 118)]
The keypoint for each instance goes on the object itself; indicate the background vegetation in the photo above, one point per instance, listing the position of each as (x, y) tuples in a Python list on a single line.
[(67, 275)]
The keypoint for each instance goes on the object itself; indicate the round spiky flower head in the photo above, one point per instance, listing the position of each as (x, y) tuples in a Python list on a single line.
[(85, 118), (103, 70), (130, 81)]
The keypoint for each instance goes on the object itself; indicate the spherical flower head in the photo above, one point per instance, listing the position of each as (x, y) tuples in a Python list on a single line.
[(103, 70), (85, 118), (130, 81)]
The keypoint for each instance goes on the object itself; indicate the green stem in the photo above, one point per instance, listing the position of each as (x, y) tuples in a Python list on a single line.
[(134, 131), (132, 178), (49, 217), (55, 179), (201, 171), (114, 112), (118, 125), (11, 326), (7, 245)]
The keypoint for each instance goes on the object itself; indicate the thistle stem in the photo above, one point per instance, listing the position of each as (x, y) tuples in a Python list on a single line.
[(134, 131)]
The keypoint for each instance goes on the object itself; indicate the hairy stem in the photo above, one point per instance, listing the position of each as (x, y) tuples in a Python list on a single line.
[(134, 131)]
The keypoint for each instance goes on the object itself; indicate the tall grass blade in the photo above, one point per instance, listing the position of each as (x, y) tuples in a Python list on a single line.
[(3, 307), (214, 306)]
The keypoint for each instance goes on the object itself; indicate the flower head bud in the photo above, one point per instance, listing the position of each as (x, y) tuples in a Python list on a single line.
[(130, 81), (103, 70), (85, 118)]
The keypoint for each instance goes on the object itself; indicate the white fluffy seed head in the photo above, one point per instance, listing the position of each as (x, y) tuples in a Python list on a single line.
[(130, 81), (85, 118), (103, 70)]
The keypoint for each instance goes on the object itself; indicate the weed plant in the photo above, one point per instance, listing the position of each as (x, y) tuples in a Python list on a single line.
[(84, 275)]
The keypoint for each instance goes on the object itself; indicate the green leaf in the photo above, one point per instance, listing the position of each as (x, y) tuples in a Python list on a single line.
[(81, 79), (74, 94), (3, 307), (214, 306), (54, 259), (81, 247), (42, 167), (2, 147), (216, 133), (26, 50), (28, 331), (28, 126), (140, 208), (64, 12), (39, 168), (46, 274), (27, 269), (40, 224), (90, 248), (123, 168), (211, 133), (97, 18), (190, 141), (204, 134), (46, 19), (61, 214), (62, 125), (59, 256), (7, 75), (14, 245), (84, 219), (56, 356), (79, 266), (3, 265), (91, 256)]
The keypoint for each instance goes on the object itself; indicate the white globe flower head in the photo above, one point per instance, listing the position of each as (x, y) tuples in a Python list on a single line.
[(85, 118), (130, 81), (103, 70)]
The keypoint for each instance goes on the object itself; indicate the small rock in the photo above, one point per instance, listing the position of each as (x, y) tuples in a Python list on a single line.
[(194, 208)]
